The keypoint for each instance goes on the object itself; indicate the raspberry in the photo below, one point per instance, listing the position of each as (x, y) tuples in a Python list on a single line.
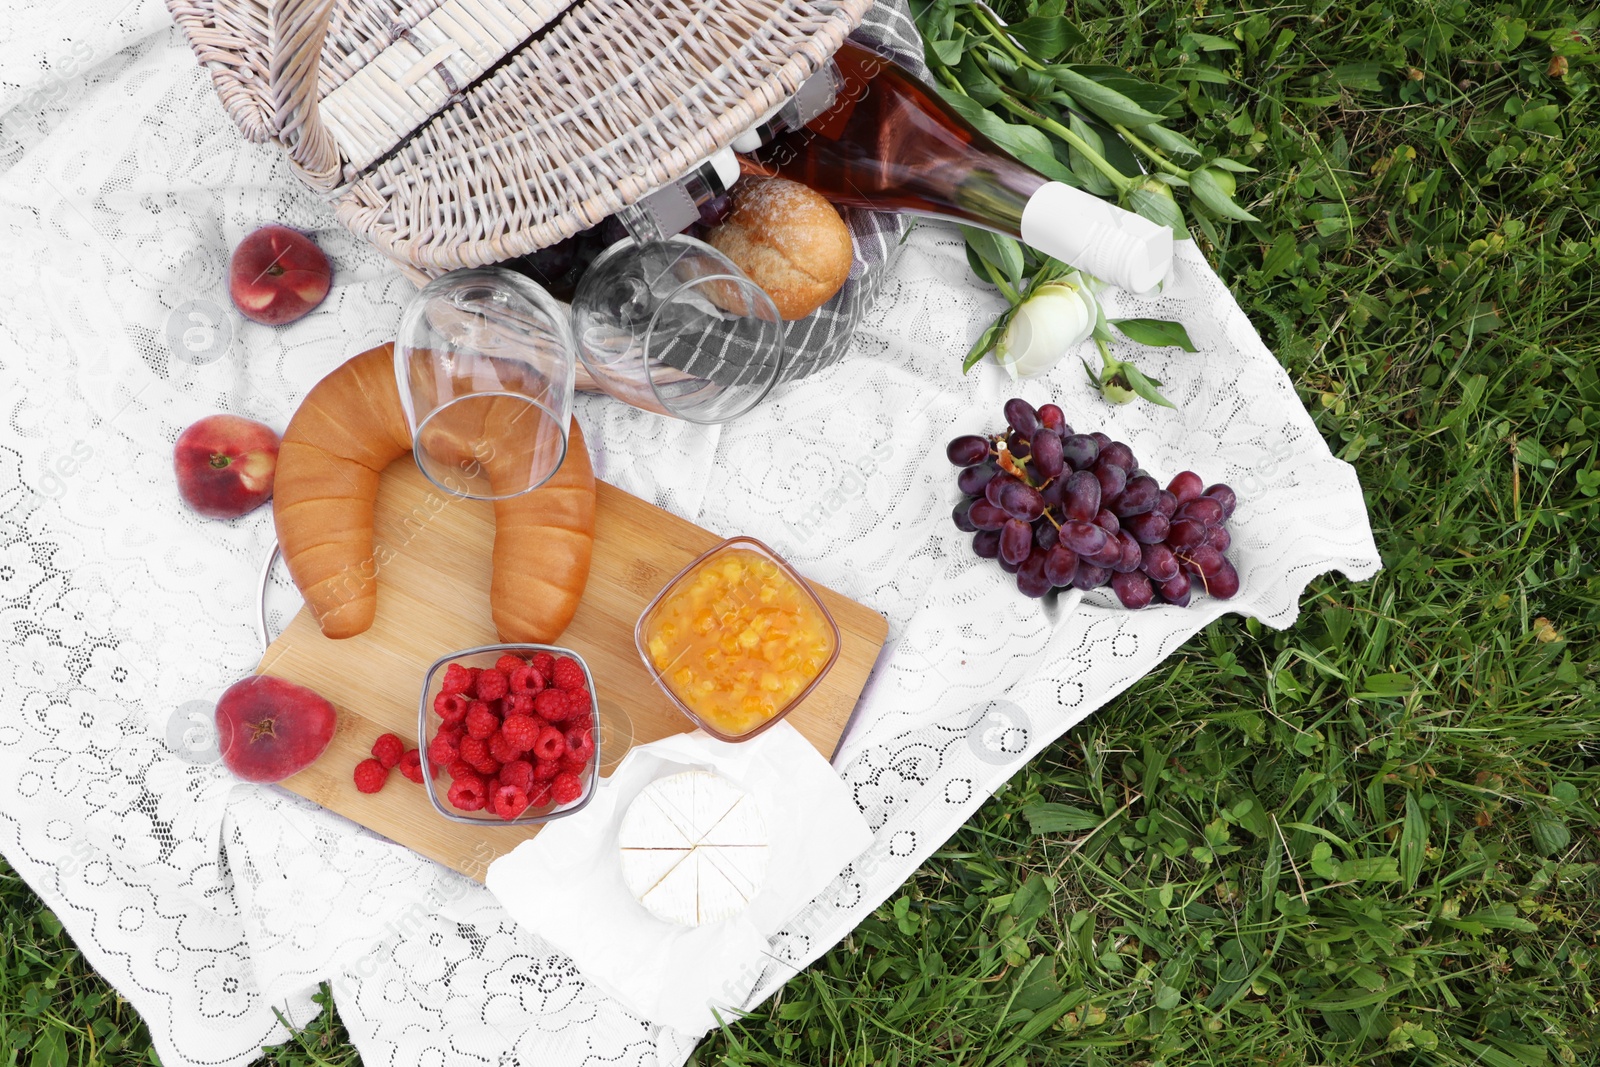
[(481, 722), (492, 685), (467, 793), (518, 773), (568, 675), (411, 766), (580, 743), (443, 751), (525, 679), (550, 744), (545, 664), (474, 749), (518, 704), (457, 679), (571, 764), (539, 795), (545, 769), (453, 732), (388, 749), (551, 704), (521, 730), (579, 705), (504, 749), (509, 802), (461, 769), (508, 663), (487, 767), (371, 775), (566, 788), (452, 707)]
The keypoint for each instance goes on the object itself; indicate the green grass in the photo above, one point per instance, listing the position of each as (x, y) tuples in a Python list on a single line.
[(1371, 839)]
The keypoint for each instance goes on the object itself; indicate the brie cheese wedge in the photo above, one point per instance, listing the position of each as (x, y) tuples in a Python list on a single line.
[(694, 848)]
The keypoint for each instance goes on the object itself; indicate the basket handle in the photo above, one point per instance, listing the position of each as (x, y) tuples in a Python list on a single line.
[(295, 33)]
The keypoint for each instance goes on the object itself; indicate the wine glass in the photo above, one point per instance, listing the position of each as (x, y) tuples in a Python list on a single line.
[(484, 360), (674, 327)]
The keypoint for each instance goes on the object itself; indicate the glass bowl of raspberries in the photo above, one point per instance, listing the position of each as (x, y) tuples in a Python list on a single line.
[(514, 731)]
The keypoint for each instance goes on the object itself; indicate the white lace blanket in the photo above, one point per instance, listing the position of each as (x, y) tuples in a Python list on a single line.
[(122, 189)]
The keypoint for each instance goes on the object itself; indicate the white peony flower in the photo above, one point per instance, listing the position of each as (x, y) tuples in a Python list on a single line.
[(1048, 324)]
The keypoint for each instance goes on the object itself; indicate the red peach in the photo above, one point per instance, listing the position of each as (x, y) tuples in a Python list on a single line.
[(277, 275), (225, 465), (269, 728)]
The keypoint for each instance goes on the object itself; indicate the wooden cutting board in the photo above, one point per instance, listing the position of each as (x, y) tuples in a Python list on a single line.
[(433, 599)]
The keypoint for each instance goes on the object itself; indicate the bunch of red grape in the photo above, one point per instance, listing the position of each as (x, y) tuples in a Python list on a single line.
[(1059, 508)]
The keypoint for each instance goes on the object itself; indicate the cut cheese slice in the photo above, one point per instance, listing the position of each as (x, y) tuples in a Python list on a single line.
[(743, 865), (648, 825), (676, 897), (718, 897), (740, 825), (694, 848), (644, 868)]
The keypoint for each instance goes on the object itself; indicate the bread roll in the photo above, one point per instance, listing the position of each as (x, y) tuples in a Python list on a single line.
[(789, 240)]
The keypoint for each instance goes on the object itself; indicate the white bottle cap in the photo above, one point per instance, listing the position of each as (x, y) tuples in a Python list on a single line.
[(726, 164), (1101, 239)]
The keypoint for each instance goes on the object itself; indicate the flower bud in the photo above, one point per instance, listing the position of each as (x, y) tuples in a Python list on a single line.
[(1049, 322)]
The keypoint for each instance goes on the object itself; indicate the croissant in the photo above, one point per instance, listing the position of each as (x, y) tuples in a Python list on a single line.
[(348, 429)]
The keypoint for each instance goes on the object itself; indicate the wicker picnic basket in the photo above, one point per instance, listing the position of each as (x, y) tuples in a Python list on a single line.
[(459, 133)]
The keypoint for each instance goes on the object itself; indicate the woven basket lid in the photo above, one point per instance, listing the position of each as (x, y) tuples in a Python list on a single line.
[(457, 133)]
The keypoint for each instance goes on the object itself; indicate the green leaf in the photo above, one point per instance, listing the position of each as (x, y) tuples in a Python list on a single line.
[(1157, 333), (1027, 144), (1044, 37), (1091, 176), (1323, 865), (976, 83), (1358, 77), (1145, 387), (1170, 141), (1501, 917), (985, 342), (1049, 818), (1001, 251), (1413, 842), (1549, 833), (1199, 72), (1370, 869), (1159, 209), (1029, 903), (1223, 163), (1100, 98), (1160, 99), (1284, 253), (50, 1049), (1214, 194), (1211, 43), (949, 51), (1094, 379), (1386, 685)]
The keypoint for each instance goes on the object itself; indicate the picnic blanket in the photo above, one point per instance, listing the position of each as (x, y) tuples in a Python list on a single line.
[(209, 903)]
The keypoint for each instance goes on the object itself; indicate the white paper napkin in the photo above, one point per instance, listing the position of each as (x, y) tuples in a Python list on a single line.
[(566, 884)]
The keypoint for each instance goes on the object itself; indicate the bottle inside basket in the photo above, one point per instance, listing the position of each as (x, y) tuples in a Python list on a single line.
[(888, 143), (700, 198)]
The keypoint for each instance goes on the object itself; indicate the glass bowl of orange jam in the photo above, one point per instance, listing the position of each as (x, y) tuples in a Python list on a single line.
[(737, 640)]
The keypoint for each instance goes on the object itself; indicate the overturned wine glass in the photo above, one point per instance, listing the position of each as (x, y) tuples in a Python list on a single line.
[(672, 326), (485, 365)]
